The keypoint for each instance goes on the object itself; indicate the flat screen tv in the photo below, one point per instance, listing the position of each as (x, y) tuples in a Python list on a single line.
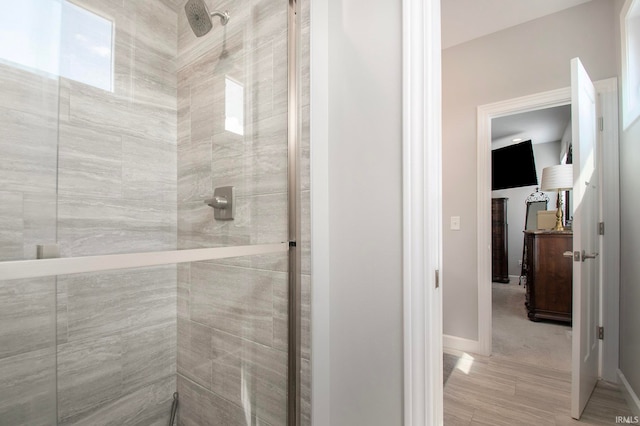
[(513, 166)]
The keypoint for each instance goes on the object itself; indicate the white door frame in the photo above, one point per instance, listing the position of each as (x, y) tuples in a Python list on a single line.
[(422, 218), (608, 104), (422, 212)]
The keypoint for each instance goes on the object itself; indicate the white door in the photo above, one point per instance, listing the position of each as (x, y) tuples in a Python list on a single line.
[(585, 239)]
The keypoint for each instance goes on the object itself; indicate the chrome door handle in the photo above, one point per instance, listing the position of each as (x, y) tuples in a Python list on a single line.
[(586, 256), (573, 255)]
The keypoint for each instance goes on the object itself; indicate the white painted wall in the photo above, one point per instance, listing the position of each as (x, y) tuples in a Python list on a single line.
[(362, 97), (530, 58), (629, 248), (545, 154)]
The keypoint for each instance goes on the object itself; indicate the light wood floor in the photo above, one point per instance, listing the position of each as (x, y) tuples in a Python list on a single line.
[(499, 391)]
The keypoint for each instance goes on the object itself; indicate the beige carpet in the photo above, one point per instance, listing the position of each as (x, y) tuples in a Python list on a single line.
[(546, 344)]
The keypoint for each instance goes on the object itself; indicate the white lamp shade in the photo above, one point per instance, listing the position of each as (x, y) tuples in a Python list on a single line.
[(557, 178)]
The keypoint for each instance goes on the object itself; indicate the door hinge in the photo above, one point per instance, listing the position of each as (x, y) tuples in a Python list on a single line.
[(601, 228), (601, 333), (437, 278), (601, 123)]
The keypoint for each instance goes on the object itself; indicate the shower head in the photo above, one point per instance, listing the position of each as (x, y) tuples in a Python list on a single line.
[(200, 18)]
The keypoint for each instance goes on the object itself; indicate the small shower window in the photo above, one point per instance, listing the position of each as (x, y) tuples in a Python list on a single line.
[(86, 48), (58, 38), (234, 106)]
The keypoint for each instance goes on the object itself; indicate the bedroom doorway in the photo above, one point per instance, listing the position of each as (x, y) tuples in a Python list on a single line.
[(522, 145)]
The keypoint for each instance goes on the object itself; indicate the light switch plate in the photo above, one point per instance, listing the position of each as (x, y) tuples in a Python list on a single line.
[(455, 223)]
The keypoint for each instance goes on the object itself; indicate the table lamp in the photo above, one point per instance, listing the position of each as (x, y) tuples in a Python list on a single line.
[(558, 178)]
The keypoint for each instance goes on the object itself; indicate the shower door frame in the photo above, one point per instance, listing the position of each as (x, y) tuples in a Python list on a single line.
[(21, 269)]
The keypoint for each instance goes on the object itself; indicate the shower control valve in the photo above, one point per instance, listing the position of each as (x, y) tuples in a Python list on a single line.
[(223, 203)]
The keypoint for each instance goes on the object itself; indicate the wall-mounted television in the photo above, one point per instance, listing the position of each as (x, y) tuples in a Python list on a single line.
[(513, 166)]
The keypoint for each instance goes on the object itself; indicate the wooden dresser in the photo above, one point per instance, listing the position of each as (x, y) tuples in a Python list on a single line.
[(499, 246), (549, 275)]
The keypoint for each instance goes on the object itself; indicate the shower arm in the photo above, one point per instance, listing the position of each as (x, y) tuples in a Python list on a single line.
[(224, 16)]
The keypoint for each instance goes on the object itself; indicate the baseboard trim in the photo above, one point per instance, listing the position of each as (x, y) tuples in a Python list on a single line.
[(454, 343), (629, 394)]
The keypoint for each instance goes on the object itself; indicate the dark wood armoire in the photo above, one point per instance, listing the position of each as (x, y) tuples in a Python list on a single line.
[(499, 238)]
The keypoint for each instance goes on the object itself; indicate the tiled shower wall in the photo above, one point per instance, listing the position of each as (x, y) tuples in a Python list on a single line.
[(232, 314), (98, 169)]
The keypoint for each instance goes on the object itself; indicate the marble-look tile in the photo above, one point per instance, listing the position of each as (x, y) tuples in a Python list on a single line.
[(92, 226), (103, 111), (235, 300), (11, 226), (194, 352), (184, 113), (305, 150), (149, 170), (148, 355), (204, 107), (262, 169), (156, 26), (29, 152), (198, 229), (281, 76), (194, 170), (305, 393), (89, 375), (305, 317), (28, 92), (28, 391), (262, 217), (154, 80), (149, 405), (305, 55), (62, 312), (184, 290), (198, 407), (281, 316), (260, 82), (269, 21), (251, 375), (27, 315), (305, 232), (63, 100), (108, 303), (40, 216), (176, 5), (89, 162)]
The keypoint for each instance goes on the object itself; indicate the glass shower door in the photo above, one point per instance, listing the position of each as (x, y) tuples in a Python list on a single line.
[(29, 90), (113, 157)]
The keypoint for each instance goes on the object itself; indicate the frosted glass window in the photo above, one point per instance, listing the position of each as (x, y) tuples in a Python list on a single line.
[(59, 38), (630, 29), (234, 106), (86, 47)]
